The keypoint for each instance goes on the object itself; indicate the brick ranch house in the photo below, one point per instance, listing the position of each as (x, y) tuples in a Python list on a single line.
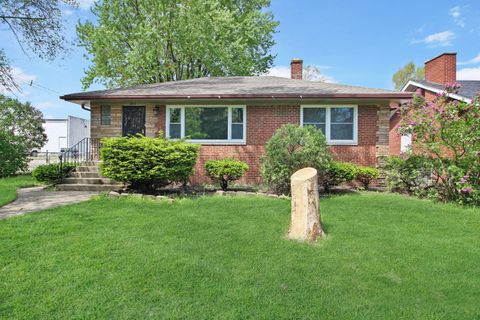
[(439, 71), (235, 116)]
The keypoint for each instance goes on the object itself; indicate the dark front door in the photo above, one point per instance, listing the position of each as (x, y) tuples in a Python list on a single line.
[(133, 120)]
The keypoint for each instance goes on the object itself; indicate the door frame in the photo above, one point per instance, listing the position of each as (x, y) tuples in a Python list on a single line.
[(144, 118)]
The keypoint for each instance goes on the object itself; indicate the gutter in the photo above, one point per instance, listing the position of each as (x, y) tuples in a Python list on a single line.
[(395, 95)]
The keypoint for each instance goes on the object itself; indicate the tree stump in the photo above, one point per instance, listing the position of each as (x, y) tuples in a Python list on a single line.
[(305, 222)]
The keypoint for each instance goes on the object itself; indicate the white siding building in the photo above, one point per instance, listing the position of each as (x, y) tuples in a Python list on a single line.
[(64, 133)]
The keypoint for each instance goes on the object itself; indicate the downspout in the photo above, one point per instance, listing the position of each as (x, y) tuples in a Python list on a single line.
[(86, 108)]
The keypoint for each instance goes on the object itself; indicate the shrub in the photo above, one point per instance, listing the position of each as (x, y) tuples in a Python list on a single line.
[(365, 175), (413, 175), (225, 170), (292, 148), (52, 173), (13, 155), (337, 173), (148, 163)]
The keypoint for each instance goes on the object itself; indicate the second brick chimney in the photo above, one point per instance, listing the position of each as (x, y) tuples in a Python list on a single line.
[(442, 69), (296, 69)]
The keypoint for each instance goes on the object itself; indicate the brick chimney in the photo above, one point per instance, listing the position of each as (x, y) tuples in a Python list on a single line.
[(296, 69), (442, 69)]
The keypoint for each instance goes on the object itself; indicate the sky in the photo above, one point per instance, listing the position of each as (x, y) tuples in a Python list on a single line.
[(352, 42)]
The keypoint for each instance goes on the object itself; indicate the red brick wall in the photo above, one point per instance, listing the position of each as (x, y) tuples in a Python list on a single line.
[(442, 69), (262, 121)]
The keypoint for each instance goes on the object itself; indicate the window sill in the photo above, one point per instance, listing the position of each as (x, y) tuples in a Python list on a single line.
[(218, 142), (342, 143)]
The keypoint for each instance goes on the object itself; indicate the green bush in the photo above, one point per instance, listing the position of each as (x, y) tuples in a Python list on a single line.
[(337, 173), (292, 148), (225, 170), (148, 163), (52, 173), (413, 175), (13, 155), (365, 175)]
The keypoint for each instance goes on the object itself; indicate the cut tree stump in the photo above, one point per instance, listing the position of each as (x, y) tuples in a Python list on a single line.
[(305, 222)]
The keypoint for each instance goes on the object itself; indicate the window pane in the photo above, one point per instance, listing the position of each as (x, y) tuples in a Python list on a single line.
[(175, 130), (175, 115), (105, 115), (341, 131), (237, 115), (320, 126), (342, 115), (314, 115), (237, 131), (206, 123)]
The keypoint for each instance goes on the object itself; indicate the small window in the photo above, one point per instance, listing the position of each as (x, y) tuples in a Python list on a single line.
[(338, 123), (105, 115)]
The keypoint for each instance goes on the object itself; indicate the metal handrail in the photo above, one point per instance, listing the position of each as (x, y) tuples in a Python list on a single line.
[(87, 149)]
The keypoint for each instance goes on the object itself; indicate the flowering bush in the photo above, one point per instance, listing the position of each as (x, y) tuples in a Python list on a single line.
[(448, 131)]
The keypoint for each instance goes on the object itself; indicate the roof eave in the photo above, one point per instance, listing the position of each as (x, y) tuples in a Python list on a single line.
[(394, 95), (455, 96)]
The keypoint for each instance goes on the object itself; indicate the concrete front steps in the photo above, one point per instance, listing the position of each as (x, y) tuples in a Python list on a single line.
[(87, 178)]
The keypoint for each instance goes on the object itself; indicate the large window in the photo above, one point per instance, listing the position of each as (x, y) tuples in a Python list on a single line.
[(338, 123), (207, 124)]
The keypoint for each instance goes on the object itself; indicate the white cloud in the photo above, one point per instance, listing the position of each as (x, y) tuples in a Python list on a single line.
[(439, 39), (284, 72), (67, 12), (85, 4), (468, 74), (474, 60), (456, 13), (47, 105), (23, 79)]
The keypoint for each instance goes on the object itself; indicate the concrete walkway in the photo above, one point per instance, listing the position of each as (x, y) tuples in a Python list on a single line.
[(36, 199)]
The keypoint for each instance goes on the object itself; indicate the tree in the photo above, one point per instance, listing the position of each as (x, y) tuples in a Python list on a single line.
[(23, 121), (449, 133), (409, 71), (37, 27), (13, 155), (149, 41), (312, 73)]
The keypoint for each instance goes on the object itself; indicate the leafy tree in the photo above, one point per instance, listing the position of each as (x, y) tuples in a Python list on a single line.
[(409, 71), (13, 155), (449, 132), (138, 42), (23, 121), (37, 27)]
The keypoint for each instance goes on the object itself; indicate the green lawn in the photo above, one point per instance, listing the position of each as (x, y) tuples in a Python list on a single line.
[(8, 187), (386, 257)]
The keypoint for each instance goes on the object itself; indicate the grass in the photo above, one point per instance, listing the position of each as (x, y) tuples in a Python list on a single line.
[(386, 257), (8, 187)]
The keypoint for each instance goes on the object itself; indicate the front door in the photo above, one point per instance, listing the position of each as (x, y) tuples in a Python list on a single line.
[(133, 120)]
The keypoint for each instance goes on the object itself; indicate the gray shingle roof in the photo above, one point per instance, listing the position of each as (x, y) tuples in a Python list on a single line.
[(469, 88), (242, 87)]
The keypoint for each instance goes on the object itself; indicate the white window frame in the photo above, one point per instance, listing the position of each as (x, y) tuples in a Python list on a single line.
[(229, 140), (328, 122)]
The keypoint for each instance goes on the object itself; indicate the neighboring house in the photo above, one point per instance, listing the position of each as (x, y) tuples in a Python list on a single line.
[(439, 71), (235, 116), (64, 133)]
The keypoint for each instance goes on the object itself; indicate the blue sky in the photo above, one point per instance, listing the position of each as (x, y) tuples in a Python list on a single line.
[(352, 42)]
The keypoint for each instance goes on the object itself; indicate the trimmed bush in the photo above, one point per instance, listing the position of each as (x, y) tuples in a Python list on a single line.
[(412, 175), (365, 175), (292, 148), (52, 173), (148, 163), (337, 173), (225, 170)]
